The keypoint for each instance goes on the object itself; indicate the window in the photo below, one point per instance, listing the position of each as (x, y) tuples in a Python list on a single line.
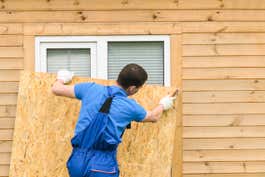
[(76, 60), (149, 55), (104, 56)]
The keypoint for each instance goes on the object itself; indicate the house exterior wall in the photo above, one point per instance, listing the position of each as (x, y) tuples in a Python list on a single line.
[(217, 59)]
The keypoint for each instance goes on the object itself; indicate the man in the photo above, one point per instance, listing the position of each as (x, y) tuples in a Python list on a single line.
[(105, 113)]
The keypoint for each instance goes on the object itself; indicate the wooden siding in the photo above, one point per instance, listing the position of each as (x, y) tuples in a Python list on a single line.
[(222, 44), (223, 99), (11, 62)]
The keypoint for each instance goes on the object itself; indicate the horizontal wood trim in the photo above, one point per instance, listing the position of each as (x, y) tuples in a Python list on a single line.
[(223, 27), (9, 87), (106, 5), (224, 155), (224, 143), (131, 16), (5, 146), (224, 38), (7, 123), (224, 120), (141, 28), (6, 134), (7, 110), (9, 75), (226, 175), (11, 28), (225, 167), (223, 49), (11, 52), (223, 132), (8, 99), (11, 40), (223, 73), (106, 16), (213, 85), (12, 63), (101, 28), (224, 108), (223, 96), (4, 170), (133, 4), (224, 61), (5, 158)]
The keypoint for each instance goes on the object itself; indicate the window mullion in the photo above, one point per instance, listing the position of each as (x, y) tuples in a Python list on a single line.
[(167, 64), (44, 61), (93, 59), (102, 53)]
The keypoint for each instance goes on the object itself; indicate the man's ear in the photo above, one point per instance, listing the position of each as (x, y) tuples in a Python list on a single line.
[(131, 90)]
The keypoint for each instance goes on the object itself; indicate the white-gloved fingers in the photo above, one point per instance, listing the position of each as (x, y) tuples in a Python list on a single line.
[(173, 98), (167, 102), (65, 75)]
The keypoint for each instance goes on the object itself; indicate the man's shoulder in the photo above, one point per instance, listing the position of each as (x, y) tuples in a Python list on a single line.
[(132, 102), (91, 84)]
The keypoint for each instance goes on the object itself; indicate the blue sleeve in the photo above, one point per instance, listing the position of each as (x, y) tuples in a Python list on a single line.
[(82, 89), (140, 113)]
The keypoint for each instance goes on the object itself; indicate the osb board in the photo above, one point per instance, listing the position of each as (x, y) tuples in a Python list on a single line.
[(45, 124)]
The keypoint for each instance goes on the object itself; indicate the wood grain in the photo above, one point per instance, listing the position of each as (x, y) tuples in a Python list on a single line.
[(45, 123)]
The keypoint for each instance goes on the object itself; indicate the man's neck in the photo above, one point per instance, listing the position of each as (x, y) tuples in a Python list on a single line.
[(118, 85)]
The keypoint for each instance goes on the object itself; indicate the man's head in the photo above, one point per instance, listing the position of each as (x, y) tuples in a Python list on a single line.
[(131, 78)]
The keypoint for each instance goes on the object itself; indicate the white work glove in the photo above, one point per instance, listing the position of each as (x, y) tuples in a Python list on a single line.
[(167, 102), (65, 75)]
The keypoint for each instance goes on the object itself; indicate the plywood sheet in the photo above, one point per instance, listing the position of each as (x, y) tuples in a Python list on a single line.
[(45, 124)]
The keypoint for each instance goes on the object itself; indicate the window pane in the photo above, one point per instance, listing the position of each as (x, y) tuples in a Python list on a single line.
[(76, 60), (150, 55)]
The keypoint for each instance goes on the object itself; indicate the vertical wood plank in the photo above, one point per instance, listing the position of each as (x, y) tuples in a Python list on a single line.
[(176, 81), (29, 53)]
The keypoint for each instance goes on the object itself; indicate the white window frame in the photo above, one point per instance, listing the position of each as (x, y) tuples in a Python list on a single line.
[(99, 50)]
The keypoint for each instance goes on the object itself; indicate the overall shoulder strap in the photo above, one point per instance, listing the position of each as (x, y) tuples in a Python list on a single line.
[(106, 105)]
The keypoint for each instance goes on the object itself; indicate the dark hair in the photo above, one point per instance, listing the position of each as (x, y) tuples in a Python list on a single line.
[(132, 74)]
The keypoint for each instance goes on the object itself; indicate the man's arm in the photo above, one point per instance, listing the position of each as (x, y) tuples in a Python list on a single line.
[(154, 115), (60, 89), (165, 103)]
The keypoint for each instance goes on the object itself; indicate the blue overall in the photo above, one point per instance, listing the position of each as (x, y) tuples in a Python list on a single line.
[(95, 147)]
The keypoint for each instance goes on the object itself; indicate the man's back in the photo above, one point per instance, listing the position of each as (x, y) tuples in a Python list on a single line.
[(123, 109)]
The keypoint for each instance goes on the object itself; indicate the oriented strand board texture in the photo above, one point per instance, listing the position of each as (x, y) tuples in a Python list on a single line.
[(45, 124)]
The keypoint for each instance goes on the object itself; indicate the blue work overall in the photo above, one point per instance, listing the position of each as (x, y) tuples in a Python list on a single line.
[(95, 148)]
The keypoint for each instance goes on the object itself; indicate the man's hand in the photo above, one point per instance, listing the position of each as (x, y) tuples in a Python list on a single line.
[(65, 75), (167, 102)]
